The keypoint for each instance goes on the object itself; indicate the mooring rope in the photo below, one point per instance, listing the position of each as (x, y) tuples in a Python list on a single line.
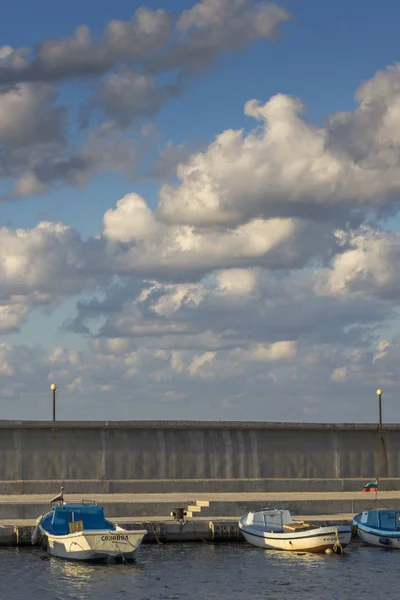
[(337, 546)]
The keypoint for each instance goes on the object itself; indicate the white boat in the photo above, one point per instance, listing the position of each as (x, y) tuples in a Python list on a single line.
[(275, 529), (81, 532), (379, 528)]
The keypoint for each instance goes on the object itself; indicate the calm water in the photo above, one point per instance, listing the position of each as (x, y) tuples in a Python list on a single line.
[(203, 572)]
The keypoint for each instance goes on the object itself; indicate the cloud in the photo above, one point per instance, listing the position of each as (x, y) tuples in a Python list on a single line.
[(40, 267), (38, 169), (135, 66), (126, 96), (148, 39), (27, 116), (30, 259), (191, 384), (262, 282), (367, 267), (214, 26), (77, 56), (288, 167), (164, 167), (139, 242), (232, 309)]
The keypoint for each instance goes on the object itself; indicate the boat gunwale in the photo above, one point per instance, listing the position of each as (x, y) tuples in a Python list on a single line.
[(92, 532)]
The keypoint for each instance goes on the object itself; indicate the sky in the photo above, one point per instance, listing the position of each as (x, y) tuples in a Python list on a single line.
[(199, 210)]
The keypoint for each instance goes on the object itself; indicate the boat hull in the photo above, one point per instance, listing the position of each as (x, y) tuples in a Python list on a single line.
[(314, 540), (94, 545), (379, 527), (382, 539)]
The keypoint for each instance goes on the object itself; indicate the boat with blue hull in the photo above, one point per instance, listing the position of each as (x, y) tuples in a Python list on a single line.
[(81, 532), (379, 527)]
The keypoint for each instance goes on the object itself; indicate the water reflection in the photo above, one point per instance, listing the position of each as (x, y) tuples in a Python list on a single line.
[(307, 560), (79, 576)]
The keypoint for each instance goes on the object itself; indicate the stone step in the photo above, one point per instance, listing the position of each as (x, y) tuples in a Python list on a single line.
[(194, 508)]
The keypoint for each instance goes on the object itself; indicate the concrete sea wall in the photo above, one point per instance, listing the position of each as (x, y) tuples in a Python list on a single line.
[(177, 450)]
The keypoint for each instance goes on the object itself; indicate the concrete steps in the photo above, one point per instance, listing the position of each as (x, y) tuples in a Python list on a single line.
[(138, 506), (194, 510)]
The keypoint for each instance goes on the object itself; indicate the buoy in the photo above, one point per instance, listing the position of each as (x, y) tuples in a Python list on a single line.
[(329, 551)]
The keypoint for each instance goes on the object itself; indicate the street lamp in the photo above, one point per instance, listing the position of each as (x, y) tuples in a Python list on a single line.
[(53, 388), (379, 394)]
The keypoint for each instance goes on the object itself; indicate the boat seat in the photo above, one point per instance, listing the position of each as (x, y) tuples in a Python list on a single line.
[(296, 526)]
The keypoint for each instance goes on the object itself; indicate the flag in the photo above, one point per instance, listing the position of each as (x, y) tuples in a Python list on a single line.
[(371, 487)]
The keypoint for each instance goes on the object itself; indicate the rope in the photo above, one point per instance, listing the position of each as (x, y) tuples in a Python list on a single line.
[(119, 550), (337, 546), (77, 544), (155, 534)]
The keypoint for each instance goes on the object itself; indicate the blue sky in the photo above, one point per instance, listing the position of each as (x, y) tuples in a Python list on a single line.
[(321, 55)]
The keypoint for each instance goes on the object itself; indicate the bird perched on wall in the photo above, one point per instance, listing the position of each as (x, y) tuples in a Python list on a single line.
[(59, 497)]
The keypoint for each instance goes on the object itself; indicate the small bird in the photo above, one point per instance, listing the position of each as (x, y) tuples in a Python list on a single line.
[(59, 497)]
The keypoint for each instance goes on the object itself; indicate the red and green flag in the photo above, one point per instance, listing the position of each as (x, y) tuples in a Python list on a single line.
[(372, 486)]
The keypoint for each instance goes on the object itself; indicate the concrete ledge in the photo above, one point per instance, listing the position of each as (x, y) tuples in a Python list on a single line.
[(190, 486), (55, 425), (136, 506)]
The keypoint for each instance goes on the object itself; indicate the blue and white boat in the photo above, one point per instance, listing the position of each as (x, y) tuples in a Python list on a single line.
[(379, 527), (81, 532)]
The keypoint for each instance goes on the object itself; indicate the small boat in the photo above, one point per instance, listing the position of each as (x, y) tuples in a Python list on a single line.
[(275, 529), (379, 527), (81, 532)]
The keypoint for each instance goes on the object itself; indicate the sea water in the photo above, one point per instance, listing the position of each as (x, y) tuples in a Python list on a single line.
[(203, 571)]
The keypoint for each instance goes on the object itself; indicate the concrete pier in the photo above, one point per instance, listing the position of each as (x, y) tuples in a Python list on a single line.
[(165, 531), (139, 506), (216, 522)]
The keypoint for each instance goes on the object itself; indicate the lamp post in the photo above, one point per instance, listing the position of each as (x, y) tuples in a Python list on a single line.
[(53, 388), (379, 394)]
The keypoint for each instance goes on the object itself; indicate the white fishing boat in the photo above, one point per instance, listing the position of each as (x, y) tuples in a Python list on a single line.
[(275, 529), (81, 532)]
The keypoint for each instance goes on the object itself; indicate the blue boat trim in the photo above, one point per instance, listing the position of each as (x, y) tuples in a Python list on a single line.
[(91, 516)]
